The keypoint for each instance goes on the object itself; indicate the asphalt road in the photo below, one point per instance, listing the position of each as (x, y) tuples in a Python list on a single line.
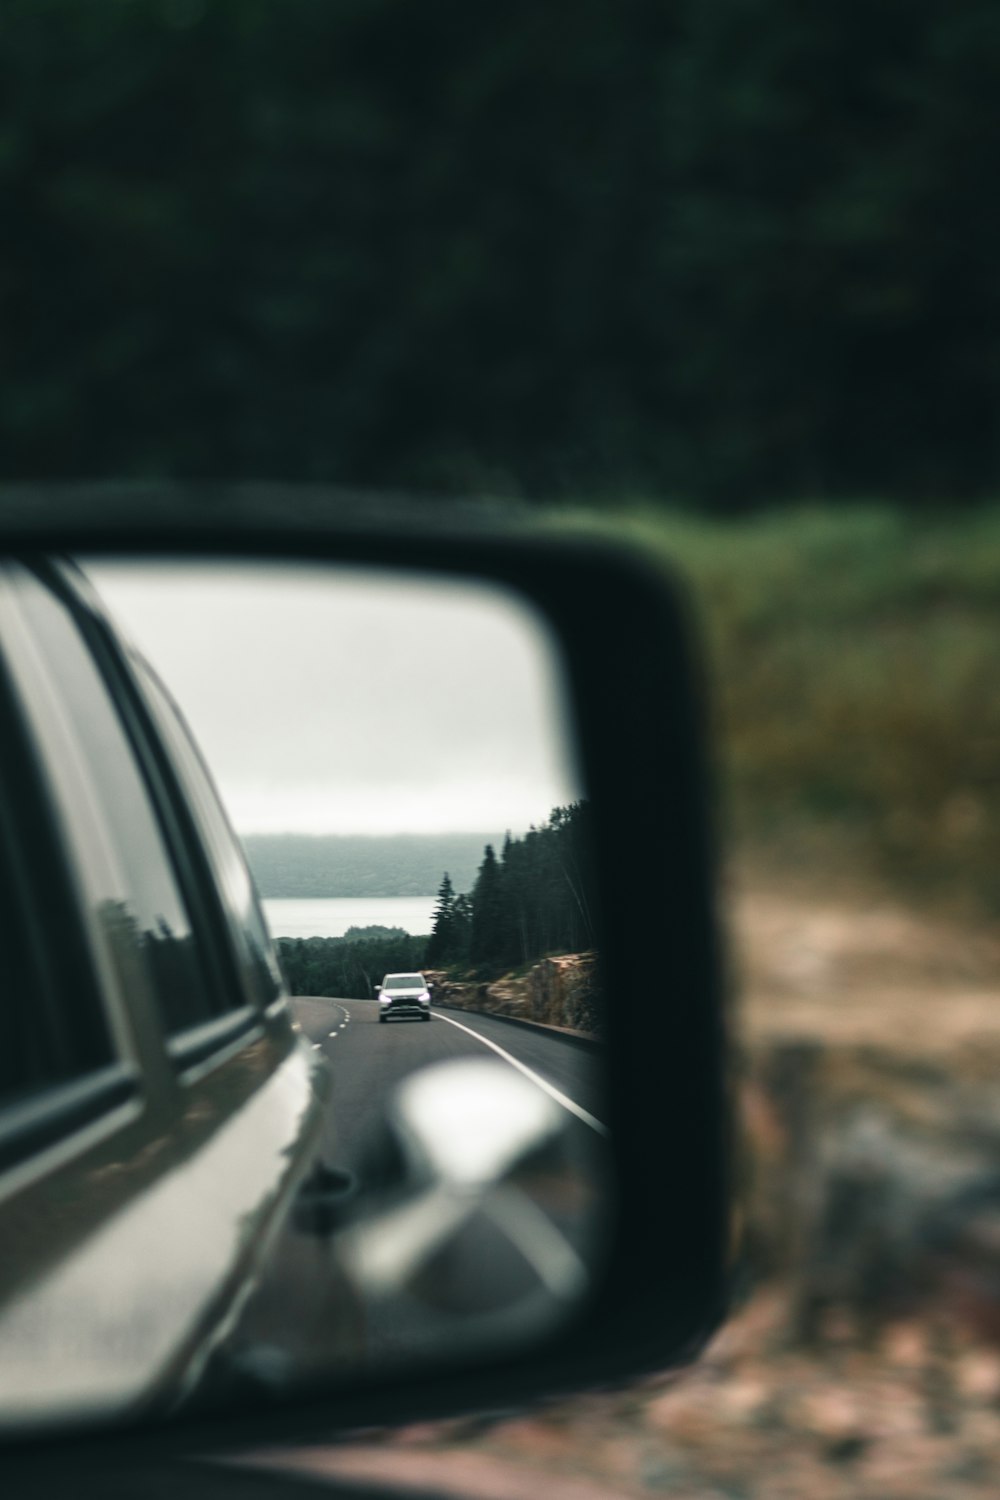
[(368, 1062)]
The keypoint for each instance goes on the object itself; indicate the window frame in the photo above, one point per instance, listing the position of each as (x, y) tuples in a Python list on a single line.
[(178, 830), (189, 814), (207, 1041), (93, 1075), (185, 838)]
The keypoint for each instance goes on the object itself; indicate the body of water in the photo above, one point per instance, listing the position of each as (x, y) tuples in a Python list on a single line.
[(331, 916)]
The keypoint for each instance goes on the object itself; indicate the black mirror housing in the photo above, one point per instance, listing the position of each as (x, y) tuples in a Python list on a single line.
[(635, 682)]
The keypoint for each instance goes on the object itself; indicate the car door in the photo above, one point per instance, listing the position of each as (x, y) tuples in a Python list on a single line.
[(157, 1110)]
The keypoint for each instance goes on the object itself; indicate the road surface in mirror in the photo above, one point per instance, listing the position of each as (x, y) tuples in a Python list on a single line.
[(397, 754)]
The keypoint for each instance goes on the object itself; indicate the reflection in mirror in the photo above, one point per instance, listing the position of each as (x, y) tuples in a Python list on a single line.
[(415, 1167)]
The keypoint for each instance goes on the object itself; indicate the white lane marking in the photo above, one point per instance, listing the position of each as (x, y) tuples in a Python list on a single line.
[(553, 1093), (333, 1033), (543, 1246), (316, 1046)]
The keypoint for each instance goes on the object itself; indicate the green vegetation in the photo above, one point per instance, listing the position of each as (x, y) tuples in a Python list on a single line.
[(350, 966), (853, 656), (726, 250), (537, 898), (451, 933)]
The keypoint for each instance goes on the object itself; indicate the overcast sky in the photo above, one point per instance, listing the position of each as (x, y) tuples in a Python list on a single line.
[(356, 701)]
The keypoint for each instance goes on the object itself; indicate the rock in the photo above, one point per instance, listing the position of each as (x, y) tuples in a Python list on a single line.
[(977, 1376), (563, 991), (870, 1179), (557, 991)]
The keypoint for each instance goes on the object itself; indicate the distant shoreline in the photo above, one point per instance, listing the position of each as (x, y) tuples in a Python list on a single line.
[(301, 866), (332, 916)]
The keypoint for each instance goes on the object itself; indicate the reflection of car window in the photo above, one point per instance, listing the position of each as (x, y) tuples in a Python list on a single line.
[(39, 1044), (130, 882), (260, 973), (26, 1053)]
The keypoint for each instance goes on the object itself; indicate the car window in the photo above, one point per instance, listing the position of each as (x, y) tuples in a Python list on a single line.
[(26, 1055), (130, 882), (35, 1050), (53, 1026), (259, 972)]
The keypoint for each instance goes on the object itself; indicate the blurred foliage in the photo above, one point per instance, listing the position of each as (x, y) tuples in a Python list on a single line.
[(853, 664), (720, 250)]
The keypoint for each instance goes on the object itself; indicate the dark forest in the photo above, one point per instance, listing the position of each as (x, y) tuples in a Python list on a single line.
[(720, 251)]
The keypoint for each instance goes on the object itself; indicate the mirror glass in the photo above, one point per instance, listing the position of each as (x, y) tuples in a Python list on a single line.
[(390, 1147)]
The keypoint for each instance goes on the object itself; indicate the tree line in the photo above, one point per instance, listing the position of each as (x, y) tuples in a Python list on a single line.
[(352, 965), (536, 898), (719, 250)]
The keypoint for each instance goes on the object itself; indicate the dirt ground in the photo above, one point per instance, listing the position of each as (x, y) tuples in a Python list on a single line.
[(866, 972), (869, 1397)]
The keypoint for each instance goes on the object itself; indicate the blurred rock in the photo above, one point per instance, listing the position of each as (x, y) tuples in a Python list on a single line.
[(871, 1180)]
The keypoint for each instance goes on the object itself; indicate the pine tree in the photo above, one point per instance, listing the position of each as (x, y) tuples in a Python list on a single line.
[(441, 944), (487, 943), (536, 899), (462, 929)]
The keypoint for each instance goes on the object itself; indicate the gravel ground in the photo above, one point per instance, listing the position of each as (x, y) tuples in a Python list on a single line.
[(912, 1416)]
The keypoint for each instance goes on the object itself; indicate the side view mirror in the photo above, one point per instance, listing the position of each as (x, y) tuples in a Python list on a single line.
[(237, 1189)]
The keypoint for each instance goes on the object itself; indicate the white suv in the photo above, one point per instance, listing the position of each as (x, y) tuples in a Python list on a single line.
[(404, 995)]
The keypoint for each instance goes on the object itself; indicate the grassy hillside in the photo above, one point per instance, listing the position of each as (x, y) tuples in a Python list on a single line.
[(854, 656)]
